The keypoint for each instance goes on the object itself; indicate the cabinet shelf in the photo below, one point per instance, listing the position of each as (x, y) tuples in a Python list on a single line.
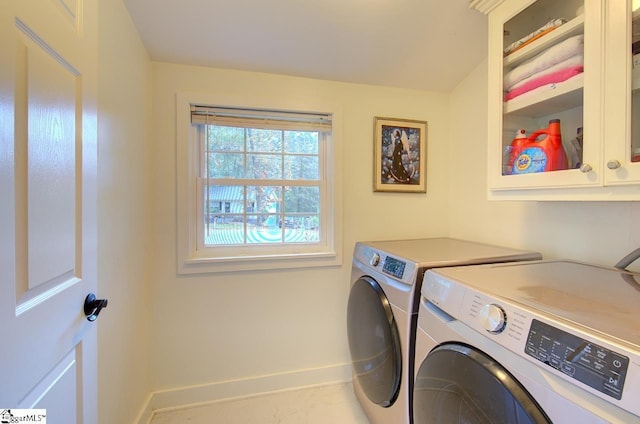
[(565, 95), (569, 29)]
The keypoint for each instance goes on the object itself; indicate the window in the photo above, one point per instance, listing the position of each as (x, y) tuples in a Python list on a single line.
[(257, 188)]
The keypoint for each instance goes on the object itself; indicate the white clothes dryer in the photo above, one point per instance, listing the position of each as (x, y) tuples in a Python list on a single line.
[(382, 314), (535, 342)]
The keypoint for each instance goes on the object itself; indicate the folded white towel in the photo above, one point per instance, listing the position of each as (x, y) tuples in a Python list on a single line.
[(575, 60), (553, 55)]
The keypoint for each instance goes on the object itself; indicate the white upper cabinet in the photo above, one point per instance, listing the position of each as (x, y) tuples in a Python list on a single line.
[(562, 109)]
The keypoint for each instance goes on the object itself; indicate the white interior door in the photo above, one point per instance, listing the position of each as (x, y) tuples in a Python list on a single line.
[(48, 130)]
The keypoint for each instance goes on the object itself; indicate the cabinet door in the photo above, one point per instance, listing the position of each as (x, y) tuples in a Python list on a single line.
[(549, 86), (622, 117)]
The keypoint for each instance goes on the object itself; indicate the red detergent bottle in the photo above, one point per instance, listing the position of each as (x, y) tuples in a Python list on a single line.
[(514, 149), (541, 155)]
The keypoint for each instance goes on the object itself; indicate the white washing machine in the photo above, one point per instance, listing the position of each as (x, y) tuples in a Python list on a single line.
[(535, 342), (382, 314)]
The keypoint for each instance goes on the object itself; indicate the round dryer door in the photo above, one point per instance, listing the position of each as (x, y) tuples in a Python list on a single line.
[(459, 384), (374, 342)]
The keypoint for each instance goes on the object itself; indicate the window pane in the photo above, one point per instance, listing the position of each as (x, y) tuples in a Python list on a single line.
[(224, 229), (262, 221), (225, 138), (301, 142), (268, 141), (301, 228), (226, 165), (264, 166), (301, 167), (302, 199), (224, 199), (263, 229), (267, 232), (267, 199)]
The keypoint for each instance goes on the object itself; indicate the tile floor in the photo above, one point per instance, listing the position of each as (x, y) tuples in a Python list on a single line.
[(333, 404)]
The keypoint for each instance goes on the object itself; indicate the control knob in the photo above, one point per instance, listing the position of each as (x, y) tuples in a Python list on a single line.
[(375, 259), (493, 318)]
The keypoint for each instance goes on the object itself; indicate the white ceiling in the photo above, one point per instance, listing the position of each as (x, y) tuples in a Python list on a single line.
[(421, 44)]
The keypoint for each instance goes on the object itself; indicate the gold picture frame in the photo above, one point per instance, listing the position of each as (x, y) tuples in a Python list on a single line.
[(400, 147)]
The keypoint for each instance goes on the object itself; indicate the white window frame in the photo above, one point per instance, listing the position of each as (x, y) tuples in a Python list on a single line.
[(192, 258)]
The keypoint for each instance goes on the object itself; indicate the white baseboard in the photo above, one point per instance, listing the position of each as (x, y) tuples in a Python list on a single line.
[(185, 397), (146, 413)]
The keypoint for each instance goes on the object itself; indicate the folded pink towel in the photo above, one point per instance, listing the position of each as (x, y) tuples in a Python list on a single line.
[(576, 60), (558, 76)]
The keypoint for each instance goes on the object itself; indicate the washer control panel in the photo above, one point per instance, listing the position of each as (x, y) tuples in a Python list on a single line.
[(587, 362)]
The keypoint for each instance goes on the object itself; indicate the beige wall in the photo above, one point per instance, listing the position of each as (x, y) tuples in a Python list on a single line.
[(124, 204), (221, 327), (597, 232)]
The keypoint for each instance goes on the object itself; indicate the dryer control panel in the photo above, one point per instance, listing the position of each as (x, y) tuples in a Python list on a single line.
[(587, 362), (393, 266), (401, 270)]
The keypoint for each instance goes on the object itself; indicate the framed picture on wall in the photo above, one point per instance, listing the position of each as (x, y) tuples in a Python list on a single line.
[(400, 147)]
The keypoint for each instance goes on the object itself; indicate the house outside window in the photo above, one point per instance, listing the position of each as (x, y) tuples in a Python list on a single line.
[(260, 187)]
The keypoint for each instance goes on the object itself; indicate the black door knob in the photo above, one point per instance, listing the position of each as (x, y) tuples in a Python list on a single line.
[(93, 306)]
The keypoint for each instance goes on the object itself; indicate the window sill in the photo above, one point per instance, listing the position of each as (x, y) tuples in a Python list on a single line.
[(207, 265)]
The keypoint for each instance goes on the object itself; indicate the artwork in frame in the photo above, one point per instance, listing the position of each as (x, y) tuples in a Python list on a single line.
[(399, 155)]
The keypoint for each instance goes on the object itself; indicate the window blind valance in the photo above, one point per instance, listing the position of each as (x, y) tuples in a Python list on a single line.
[(260, 118)]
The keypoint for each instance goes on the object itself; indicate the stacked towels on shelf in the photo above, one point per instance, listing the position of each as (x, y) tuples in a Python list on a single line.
[(543, 72)]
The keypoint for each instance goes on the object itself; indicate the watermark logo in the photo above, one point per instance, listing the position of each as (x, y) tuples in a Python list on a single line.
[(9, 416)]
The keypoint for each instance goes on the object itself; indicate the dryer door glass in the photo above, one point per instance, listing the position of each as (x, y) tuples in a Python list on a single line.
[(374, 342), (459, 384)]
